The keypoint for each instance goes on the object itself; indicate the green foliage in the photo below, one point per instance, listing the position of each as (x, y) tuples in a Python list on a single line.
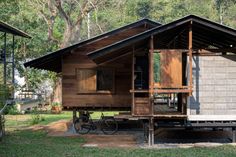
[(157, 67), (4, 94), (36, 117), (144, 8), (110, 14), (56, 104), (12, 110)]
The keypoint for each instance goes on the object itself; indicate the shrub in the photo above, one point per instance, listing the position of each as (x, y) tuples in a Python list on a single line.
[(4, 94), (36, 118), (12, 110), (55, 104)]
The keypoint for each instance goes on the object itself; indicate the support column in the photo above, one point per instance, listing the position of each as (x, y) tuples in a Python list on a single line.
[(151, 82), (13, 60), (190, 53), (233, 135), (13, 66), (74, 115), (151, 132), (132, 83), (4, 60)]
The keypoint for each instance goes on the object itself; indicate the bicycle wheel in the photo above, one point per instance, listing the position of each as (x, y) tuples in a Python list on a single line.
[(109, 125), (81, 127)]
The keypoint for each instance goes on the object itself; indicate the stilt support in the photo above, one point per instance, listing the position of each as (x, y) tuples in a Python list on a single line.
[(74, 115), (233, 135), (151, 132)]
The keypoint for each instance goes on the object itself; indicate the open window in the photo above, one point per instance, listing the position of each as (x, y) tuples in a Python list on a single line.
[(95, 80)]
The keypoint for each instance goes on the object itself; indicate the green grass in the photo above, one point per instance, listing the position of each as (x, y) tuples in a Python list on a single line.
[(16, 122), (36, 144), (23, 121), (26, 143)]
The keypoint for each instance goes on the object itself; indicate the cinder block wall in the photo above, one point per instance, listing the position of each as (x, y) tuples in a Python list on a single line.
[(214, 80)]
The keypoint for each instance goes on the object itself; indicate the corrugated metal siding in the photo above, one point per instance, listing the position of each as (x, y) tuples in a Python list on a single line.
[(214, 80)]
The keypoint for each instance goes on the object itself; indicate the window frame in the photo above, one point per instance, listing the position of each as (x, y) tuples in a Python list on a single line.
[(97, 91)]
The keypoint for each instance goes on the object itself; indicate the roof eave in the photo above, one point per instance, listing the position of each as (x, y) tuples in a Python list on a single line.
[(13, 30)]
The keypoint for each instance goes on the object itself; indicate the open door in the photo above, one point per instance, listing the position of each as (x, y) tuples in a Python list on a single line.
[(168, 78)]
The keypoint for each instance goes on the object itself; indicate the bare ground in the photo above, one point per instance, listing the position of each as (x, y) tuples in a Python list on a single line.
[(164, 138)]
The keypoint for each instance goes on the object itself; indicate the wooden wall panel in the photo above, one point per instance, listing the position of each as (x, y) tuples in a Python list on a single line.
[(86, 79), (142, 106), (78, 59), (171, 69), (71, 97)]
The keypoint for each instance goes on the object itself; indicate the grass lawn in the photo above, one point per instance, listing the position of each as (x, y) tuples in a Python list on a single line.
[(19, 122), (26, 143)]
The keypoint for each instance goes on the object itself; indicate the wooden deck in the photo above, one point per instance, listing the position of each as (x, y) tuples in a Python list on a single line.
[(165, 115)]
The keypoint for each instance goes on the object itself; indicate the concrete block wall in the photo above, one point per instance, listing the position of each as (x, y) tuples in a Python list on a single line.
[(214, 86)]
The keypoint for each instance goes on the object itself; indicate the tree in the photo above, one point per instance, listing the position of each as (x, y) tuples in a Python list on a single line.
[(71, 12), (55, 24)]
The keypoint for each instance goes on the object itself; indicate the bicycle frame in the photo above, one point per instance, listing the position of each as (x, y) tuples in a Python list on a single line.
[(86, 123), (94, 125)]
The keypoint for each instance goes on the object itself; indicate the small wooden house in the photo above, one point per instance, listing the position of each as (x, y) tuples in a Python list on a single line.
[(181, 74)]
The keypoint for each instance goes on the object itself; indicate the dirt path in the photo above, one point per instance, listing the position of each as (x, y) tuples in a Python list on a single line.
[(128, 141), (164, 138), (63, 128)]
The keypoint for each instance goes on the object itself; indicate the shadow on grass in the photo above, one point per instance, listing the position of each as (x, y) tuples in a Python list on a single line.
[(36, 144)]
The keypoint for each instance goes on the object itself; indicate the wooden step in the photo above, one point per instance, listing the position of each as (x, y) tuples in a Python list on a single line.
[(141, 100), (141, 106)]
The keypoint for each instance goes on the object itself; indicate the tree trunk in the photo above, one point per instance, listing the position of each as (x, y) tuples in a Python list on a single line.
[(71, 35)]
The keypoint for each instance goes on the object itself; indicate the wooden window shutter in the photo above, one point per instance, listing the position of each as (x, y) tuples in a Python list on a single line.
[(171, 68), (86, 80)]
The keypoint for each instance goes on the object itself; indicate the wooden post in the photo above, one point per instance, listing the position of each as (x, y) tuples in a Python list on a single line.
[(233, 135), (132, 80), (74, 115), (190, 52), (151, 132), (151, 62)]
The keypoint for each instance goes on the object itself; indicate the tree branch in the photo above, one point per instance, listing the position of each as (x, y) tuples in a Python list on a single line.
[(62, 12)]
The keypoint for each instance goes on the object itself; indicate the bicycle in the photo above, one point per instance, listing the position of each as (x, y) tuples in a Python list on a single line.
[(84, 124)]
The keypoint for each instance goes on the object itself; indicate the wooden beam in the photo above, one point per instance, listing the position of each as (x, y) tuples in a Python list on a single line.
[(220, 50), (151, 132), (132, 80), (190, 48), (163, 91), (151, 78), (170, 91), (118, 57), (212, 50), (233, 135), (159, 50), (151, 66)]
